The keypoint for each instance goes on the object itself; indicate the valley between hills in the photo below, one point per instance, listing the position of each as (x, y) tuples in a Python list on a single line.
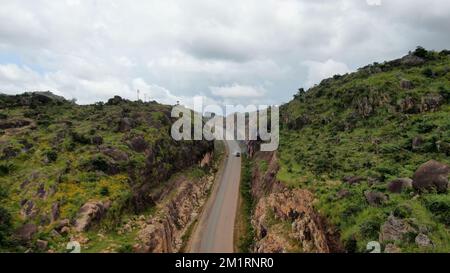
[(363, 157)]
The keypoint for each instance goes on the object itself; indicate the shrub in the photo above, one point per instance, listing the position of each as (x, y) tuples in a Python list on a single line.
[(421, 52), (444, 52), (444, 92), (402, 211), (99, 163), (52, 156), (439, 206), (127, 248), (5, 225), (104, 191), (80, 138), (351, 245), (428, 72), (6, 168), (370, 228)]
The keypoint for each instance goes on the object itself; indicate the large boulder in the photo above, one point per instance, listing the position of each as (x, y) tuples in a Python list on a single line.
[(116, 154), (26, 232), (394, 229), (416, 143), (126, 124), (42, 245), (62, 224), (392, 248), (399, 185), (375, 198), (406, 84), (431, 175), (353, 179), (55, 211), (138, 144), (430, 102), (344, 193), (407, 105), (97, 140), (422, 240), (10, 124), (29, 209), (412, 60), (89, 214)]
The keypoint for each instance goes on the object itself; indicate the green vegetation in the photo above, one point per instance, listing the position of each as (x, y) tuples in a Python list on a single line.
[(54, 153), (377, 124), (246, 231)]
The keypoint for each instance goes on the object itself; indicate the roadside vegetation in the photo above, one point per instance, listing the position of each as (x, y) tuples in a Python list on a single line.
[(348, 138), (245, 229)]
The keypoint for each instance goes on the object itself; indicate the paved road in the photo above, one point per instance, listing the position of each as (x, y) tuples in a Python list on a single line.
[(215, 230)]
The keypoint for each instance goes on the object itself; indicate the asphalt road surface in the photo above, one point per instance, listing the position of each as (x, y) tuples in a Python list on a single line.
[(215, 229)]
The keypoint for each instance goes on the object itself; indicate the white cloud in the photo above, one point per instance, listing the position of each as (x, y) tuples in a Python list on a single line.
[(155, 92), (318, 71), (93, 50), (237, 91)]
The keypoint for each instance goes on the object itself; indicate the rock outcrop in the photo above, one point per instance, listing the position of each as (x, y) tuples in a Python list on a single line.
[(375, 198), (278, 207), (399, 185), (394, 229), (138, 144), (431, 175), (26, 232), (18, 123), (163, 233), (89, 214), (296, 208)]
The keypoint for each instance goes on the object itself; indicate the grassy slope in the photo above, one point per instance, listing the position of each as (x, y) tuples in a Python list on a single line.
[(338, 139), (66, 130)]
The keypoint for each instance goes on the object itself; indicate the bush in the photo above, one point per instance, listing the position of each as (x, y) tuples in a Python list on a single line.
[(99, 163), (104, 191), (421, 52), (444, 52), (351, 245), (444, 92), (247, 239), (428, 72), (80, 138), (439, 206), (352, 210), (52, 156), (127, 248), (370, 228), (6, 168), (5, 225), (402, 211)]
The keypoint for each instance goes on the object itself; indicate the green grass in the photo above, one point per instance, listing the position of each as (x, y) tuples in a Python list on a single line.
[(59, 154), (328, 136), (246, 231)]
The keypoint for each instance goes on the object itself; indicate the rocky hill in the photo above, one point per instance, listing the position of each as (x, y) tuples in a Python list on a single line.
[(97, 174), (369, 152)]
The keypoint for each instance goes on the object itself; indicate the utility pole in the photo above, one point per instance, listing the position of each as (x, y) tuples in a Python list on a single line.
[(138, 94)]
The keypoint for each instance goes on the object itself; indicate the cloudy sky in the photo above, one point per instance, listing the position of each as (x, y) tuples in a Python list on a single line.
[(233, 51)]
